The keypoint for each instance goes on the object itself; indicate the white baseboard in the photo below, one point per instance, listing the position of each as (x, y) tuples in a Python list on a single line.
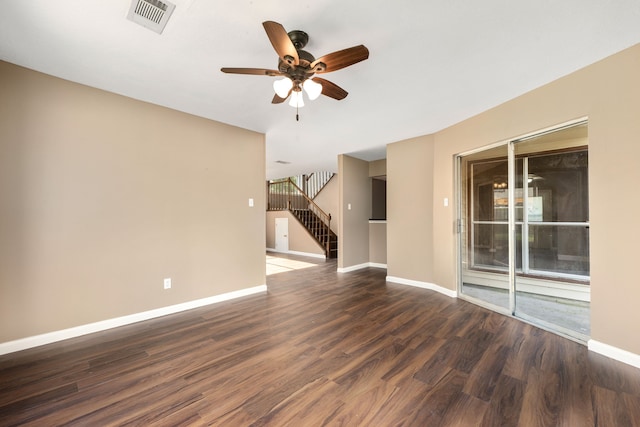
[(38, 340), (360, 267), (309, 254), (377, 265), (353, 268), (423, 285), (615, 353)]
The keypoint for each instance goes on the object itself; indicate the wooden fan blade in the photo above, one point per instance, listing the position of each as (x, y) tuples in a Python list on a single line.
[(277, 100), (331, 90), (340, 59), (281, 42), (253, 71)]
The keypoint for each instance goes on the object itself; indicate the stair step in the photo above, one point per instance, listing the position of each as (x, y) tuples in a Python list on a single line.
[(317, 229)]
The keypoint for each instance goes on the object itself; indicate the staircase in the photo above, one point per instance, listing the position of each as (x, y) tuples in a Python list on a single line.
[(286, 195), (315, 227)]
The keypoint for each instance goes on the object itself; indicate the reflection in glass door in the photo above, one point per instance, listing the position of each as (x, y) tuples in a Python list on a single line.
[(537, 188), (484, 227), (552, 226)]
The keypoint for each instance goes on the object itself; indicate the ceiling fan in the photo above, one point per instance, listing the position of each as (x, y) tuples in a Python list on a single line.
[(298, 66)]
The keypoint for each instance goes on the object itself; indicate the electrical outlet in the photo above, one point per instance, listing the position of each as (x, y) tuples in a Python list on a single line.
[(167, 283)]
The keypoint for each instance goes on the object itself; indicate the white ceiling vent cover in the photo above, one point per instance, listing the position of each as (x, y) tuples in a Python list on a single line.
[(152, 14)]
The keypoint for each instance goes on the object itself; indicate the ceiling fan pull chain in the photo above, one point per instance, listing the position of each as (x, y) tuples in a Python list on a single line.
[(297, 116)]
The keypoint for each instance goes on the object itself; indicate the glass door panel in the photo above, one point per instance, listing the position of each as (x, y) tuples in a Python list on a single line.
[(484, 227), (559, 251), (552, 283)]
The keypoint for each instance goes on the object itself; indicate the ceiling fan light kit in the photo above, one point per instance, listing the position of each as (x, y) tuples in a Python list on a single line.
[(312, 88), (298, 67), (282, 87), (296, 100)]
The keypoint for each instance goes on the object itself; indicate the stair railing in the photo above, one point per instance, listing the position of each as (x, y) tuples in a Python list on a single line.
[(286, 195), (316, 181), (313, 183)]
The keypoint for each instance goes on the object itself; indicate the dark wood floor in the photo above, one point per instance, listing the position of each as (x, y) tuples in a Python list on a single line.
[(321, 348)]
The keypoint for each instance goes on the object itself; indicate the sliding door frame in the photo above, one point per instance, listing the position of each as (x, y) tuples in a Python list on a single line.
[(461, 221)]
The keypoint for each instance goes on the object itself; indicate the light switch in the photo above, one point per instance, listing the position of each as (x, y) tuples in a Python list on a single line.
[(349, 206), (446, 201), (250, 203)]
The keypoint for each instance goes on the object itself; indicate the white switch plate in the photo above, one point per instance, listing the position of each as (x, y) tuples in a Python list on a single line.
[(167, 283), (349, 206), (250, 203), (446, 201)]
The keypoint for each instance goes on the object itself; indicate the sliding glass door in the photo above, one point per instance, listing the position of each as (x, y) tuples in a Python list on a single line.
[(484, 226), (524, 229), (552, 286)]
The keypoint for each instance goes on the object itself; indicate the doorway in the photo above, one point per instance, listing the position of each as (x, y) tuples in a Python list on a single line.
[(523, 225)]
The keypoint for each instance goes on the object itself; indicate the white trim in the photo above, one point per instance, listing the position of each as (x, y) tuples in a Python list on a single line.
[(615, 353), (38, 340), (361, 266), (309, 254), (353, 268), (423, 285), (377, 265), (533, 285)]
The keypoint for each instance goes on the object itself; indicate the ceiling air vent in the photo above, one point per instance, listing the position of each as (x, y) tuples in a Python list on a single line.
[(152, 14)]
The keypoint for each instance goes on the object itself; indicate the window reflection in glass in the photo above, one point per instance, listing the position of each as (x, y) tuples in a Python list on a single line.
[(550, 188), (491, 246), (561, 180), (559, 249)]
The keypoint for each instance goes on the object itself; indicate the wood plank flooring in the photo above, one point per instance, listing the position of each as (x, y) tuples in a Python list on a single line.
[(321, 348)]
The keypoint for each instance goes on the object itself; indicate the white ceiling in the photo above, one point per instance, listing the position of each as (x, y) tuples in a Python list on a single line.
[(432, 63)]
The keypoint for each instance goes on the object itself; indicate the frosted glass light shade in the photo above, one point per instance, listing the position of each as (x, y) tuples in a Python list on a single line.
[(282, 87), (296, 99), (312, 88)]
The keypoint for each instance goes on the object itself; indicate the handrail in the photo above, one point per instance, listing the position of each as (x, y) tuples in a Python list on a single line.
[(302, 193), (313, 183), (316, 181), (286, 195)]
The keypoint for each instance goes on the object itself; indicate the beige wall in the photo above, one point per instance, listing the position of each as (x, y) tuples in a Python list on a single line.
[(364, 241), (378, 242), (377, 230), (327, 199), (608, 93), (378, 167), (299, 238), (103, 196), (410, 241), (353, 229)]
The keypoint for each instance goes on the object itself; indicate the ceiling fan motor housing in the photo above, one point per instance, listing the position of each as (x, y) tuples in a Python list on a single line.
[(298, 38), (298, 73)]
